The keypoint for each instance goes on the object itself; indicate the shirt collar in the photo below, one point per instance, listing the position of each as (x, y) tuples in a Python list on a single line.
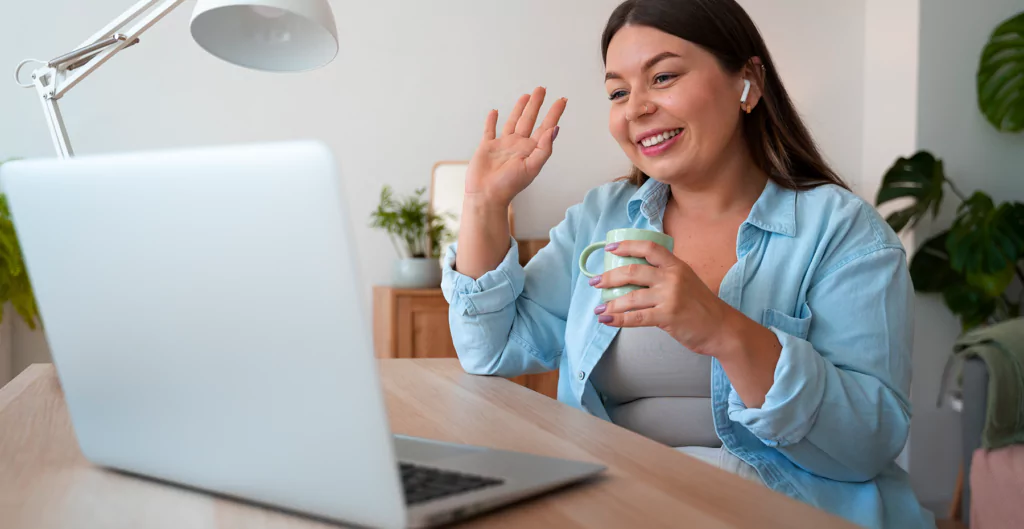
[(650, 200), (774, 211)]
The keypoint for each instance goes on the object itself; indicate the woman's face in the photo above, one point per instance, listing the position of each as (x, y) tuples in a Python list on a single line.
[(692, 105)]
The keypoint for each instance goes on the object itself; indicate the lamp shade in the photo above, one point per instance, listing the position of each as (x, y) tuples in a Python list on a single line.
[(272, 35)]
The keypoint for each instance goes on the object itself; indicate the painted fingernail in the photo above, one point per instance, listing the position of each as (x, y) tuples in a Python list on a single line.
[(554, 134), (600, 308), (595, 280), (605, 319), (611, 247)]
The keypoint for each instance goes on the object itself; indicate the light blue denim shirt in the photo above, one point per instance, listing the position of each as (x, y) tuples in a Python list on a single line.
[(820, 268)]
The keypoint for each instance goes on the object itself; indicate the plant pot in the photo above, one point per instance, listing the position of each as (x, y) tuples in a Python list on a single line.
[(417, 272)]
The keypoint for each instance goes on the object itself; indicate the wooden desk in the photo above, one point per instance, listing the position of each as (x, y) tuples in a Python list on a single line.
[(46, 483)]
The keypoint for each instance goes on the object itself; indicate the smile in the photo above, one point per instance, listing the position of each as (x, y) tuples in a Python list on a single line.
[(659, 143), (660, 138)]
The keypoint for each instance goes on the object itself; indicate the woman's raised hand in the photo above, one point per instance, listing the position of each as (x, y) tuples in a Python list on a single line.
[(503, 166)]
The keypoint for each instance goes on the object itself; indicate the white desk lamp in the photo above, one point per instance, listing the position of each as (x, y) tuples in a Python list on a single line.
[(272, 35)]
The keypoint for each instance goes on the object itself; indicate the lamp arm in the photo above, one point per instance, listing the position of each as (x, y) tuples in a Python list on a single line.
[(59, 75)]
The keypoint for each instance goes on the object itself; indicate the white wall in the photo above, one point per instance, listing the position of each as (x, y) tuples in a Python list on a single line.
[(411, 86), (890, 100), (818, 48), (976, 157)]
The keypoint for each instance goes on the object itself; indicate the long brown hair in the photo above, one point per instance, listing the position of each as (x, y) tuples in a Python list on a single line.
[(776, 136)]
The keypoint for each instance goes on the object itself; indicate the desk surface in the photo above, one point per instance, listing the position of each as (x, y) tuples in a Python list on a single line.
[(46, 483)]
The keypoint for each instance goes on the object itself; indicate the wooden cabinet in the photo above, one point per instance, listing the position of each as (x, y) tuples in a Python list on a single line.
[(413, 323)]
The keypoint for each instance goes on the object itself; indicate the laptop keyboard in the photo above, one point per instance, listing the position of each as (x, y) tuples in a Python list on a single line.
[(424, 483)]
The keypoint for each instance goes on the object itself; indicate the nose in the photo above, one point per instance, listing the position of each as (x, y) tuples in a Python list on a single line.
[(638, 109)]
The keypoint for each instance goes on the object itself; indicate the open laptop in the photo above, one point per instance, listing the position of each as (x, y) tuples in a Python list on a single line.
[(209, 328)]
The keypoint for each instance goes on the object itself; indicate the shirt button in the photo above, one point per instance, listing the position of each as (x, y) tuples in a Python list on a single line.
[(581, 375)]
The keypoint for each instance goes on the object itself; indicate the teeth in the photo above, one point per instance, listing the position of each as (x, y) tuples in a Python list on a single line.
[(655, 140)]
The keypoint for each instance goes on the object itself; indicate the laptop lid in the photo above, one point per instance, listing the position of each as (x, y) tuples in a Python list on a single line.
[(206, 319)]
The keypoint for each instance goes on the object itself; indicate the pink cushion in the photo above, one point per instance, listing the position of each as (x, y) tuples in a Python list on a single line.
[(997, 488)]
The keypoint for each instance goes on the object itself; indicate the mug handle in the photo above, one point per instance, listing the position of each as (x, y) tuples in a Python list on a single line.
[(586, 255)]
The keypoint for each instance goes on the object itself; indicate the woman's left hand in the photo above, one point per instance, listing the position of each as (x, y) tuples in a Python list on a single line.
[(676, 300)]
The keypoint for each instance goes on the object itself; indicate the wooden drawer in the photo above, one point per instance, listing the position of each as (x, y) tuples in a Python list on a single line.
[(413, 323)]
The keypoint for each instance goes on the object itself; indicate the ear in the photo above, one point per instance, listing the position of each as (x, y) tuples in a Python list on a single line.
[(753, 71)]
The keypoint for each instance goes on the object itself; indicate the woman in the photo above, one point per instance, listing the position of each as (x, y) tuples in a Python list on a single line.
[(774, 340)]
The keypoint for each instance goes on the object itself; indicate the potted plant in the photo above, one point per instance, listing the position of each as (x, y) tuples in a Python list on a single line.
[(416, 233), (15, 287), (973, 263)]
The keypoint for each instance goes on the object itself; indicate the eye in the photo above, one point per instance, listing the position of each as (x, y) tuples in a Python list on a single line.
[(617, 94), (664, 77)]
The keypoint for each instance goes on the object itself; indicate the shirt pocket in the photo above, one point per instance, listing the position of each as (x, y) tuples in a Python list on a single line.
[(798, 326)]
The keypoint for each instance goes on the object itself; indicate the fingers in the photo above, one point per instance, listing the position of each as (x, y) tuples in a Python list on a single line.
[(636, 318), (513, 118), (525, 125), (551, 120), (634, 274), (541, 153), (490, 126), (639, 299), (655, 254)]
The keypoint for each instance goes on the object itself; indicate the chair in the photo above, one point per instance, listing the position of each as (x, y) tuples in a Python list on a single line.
[(992, 479)]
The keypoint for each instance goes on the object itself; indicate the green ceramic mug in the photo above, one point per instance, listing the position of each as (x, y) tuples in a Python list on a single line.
[(612, 261)]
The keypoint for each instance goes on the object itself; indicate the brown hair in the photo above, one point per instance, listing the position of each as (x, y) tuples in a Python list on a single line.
[(776, 136)]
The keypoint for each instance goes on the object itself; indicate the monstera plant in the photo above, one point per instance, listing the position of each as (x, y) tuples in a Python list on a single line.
[(973, 263), (1001, 76), (14, 284)]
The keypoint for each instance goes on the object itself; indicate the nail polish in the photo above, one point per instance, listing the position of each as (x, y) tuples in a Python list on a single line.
[(554, 134), (611, 247), (594, 280), (604, 319), (600, 308)]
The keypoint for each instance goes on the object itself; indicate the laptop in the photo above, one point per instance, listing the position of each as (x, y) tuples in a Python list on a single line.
[(210, 329)]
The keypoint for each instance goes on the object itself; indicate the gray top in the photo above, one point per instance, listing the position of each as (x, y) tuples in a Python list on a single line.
[(654, 386)]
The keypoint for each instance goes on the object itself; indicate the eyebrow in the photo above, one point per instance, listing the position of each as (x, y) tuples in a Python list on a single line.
[(647, 65)]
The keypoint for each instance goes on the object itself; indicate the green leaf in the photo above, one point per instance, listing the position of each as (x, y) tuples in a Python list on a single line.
[(929, 268), (993, 285), (898, 219), (920, 178), (15, 286), (984, 238), (971, 304), (413, 228), (1000, 77)]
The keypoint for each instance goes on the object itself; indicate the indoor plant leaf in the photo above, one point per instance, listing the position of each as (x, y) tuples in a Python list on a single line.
[(1000, 77), (919, 177), (929, 268), (972, 304), (992, 284), (984, 238), (15, 286)]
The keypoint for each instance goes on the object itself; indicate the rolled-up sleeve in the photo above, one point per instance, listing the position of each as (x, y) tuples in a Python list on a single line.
[(839, 405), (492, 292), (511, 320)]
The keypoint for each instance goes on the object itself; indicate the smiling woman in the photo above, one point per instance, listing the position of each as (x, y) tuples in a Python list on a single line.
[(771, 340), (679, 80)]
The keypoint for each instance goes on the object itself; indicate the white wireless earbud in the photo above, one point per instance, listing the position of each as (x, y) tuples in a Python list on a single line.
[(746, 91)]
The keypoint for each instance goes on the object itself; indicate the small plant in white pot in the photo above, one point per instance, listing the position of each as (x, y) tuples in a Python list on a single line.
[(416, 233)]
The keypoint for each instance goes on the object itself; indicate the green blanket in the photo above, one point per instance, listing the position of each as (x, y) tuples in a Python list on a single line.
[(1001, 347)]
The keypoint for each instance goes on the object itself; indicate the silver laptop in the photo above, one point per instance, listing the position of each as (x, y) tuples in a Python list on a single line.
[(209, 328)]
